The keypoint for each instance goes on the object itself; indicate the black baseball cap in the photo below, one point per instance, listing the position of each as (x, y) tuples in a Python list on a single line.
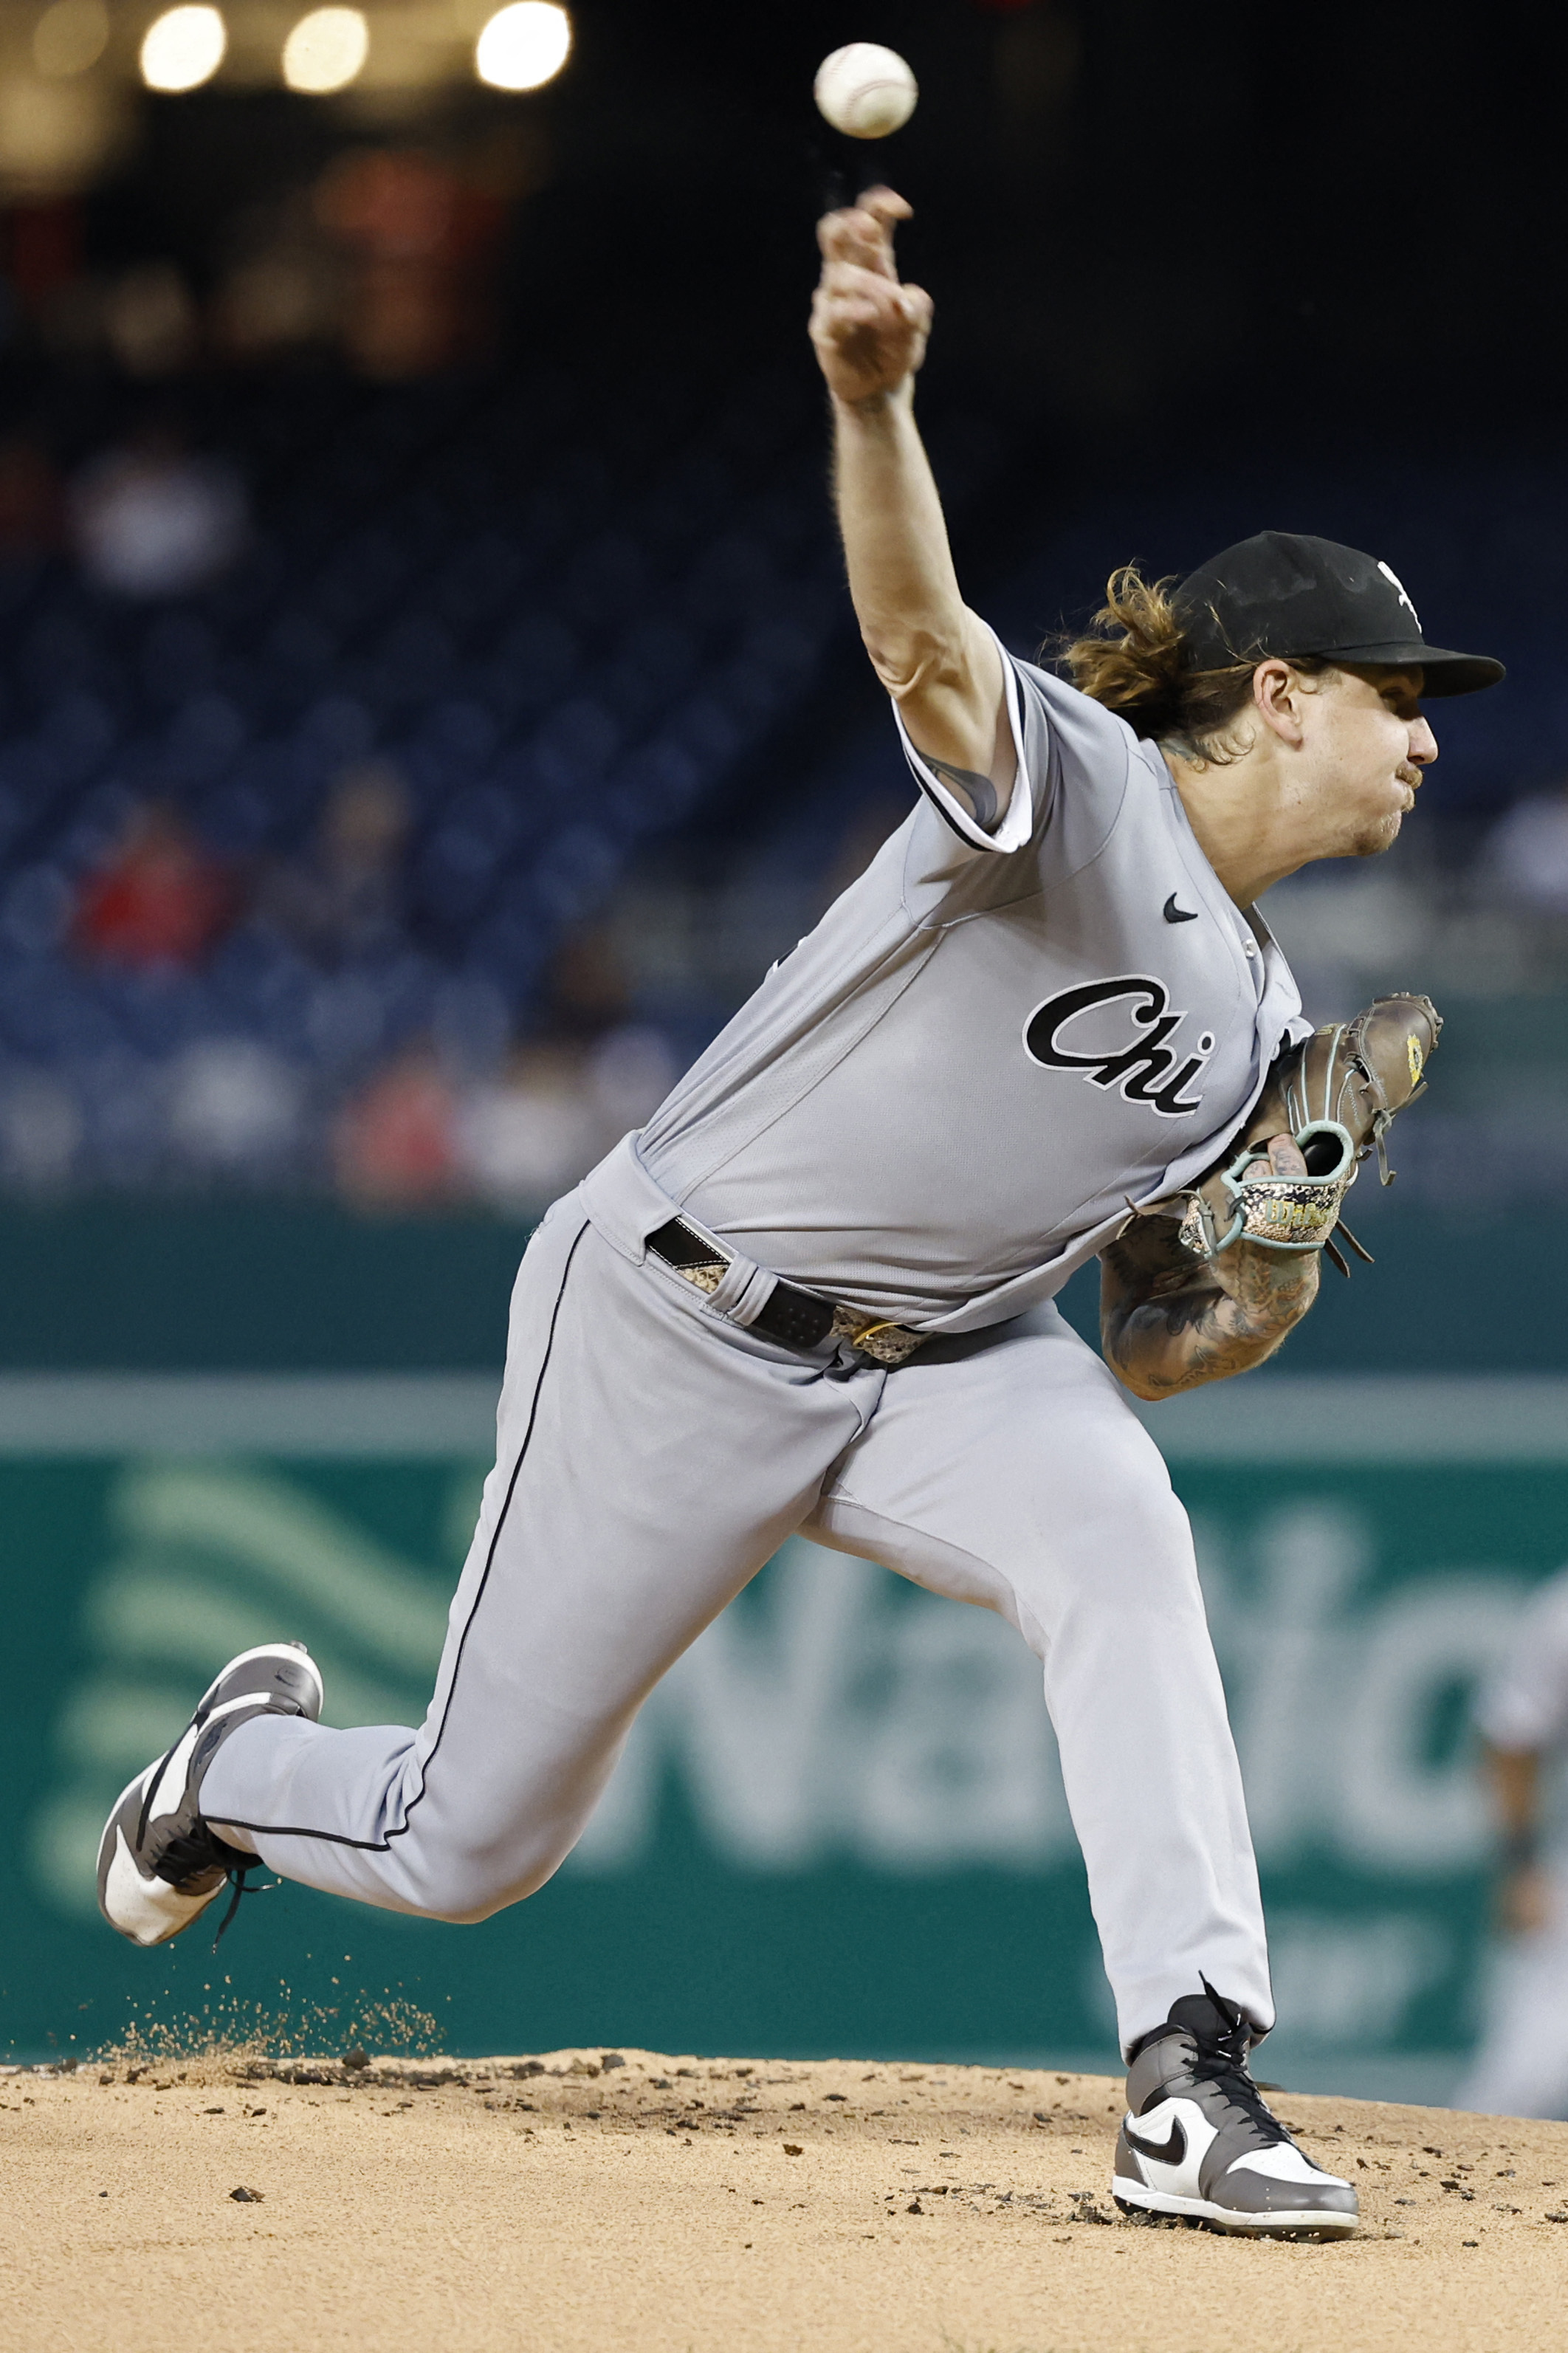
[(1283, 593)]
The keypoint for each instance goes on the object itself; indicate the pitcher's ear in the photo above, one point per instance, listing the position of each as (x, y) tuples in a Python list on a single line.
[(1277, 690)]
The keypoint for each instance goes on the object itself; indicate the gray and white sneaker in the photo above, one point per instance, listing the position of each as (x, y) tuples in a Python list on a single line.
[(159, 1863), (1199, 2141)]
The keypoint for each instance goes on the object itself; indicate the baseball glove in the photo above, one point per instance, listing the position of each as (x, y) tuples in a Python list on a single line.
[(1336, 1094)]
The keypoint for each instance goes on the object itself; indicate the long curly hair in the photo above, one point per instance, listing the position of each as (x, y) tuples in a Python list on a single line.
[(1133, 659)]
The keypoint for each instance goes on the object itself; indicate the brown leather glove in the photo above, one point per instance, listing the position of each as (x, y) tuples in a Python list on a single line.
[(1336, 1094)]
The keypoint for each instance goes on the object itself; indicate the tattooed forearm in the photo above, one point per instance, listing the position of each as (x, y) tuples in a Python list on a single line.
[(1169, 1321), (978, 791), (1184, 1312), (1168, 1325)]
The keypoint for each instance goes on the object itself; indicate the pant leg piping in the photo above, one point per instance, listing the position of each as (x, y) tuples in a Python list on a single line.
[(383, 1846), (277, 1829)]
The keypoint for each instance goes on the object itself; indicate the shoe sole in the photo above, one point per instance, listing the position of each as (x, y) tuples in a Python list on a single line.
[(1135, 2200)]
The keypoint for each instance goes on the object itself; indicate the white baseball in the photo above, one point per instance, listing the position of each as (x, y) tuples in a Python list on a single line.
[(866, 90)]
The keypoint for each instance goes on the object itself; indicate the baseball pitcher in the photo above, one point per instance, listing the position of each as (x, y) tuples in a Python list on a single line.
[(816, 1292)]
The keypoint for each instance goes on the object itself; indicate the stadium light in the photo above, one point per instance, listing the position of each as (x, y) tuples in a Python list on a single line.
[(71, 38), (326, 50), (525, 46), (182, 49)]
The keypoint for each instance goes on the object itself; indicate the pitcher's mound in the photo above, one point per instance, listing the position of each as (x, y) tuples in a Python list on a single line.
[(589, 2201)]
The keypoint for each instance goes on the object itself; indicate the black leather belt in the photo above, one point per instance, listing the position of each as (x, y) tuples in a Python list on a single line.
[(797, 1319)]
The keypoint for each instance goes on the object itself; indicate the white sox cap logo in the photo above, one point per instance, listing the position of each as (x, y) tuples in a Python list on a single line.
[(1390, 574), (1143, 1070)]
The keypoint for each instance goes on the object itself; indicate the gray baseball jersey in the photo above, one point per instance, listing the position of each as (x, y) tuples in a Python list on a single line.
[(940, 1104)]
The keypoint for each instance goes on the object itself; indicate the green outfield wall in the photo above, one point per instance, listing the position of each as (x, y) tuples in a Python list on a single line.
[(839, 1825), (229, 1285)]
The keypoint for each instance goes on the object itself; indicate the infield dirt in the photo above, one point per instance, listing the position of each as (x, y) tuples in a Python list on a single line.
[(592, 2200)]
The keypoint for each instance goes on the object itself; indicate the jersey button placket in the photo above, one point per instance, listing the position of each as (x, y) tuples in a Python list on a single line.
[(1254, 956)]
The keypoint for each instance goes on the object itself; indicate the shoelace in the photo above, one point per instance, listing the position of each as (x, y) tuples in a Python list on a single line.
[(198, 1851), (240, 1880), (1224, 2064), (200, 1846), (1222, 2060)]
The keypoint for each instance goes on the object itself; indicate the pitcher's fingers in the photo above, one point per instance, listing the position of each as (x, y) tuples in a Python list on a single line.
[(885, 204), (860, 295), (854, 278), (854, 315), (862, 232), (854, 237), (830, 331), (1285, 1156)]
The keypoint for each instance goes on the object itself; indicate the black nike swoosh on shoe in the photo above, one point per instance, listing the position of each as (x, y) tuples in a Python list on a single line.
[(1166, 2152), (1174, 914)]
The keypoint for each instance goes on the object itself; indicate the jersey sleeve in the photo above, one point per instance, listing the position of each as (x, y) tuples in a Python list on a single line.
[(1017, 826), (1524, 1704), (1070, 751)]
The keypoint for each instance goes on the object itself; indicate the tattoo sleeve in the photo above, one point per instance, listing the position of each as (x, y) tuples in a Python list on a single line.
[(978, 791), (1169, 1323)]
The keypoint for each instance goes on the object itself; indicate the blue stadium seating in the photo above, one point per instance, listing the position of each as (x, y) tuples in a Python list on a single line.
[(564, 623)]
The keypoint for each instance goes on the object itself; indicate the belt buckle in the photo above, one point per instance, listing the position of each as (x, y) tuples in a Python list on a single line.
[(865, 1333)]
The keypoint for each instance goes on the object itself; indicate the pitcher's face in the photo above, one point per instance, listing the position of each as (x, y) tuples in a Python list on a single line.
[(1370, 742)]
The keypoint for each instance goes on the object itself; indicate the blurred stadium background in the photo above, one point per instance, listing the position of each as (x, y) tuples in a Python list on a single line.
[(429, 702)]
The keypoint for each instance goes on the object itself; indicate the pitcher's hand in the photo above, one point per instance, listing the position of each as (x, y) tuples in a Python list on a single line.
[(1271, 1289), (869, 330)]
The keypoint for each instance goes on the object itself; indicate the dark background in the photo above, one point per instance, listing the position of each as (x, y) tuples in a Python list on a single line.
[(1206, 253), (1153, 226)]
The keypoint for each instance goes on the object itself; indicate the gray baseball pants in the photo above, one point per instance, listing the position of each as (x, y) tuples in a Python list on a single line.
[(653, 1454)]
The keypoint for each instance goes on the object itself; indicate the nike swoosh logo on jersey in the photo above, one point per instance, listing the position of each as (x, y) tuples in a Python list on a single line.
[(1165, 2152), (1174, 914)]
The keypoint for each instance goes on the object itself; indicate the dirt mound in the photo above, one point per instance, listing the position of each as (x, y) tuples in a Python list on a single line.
[(585, 2201)]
